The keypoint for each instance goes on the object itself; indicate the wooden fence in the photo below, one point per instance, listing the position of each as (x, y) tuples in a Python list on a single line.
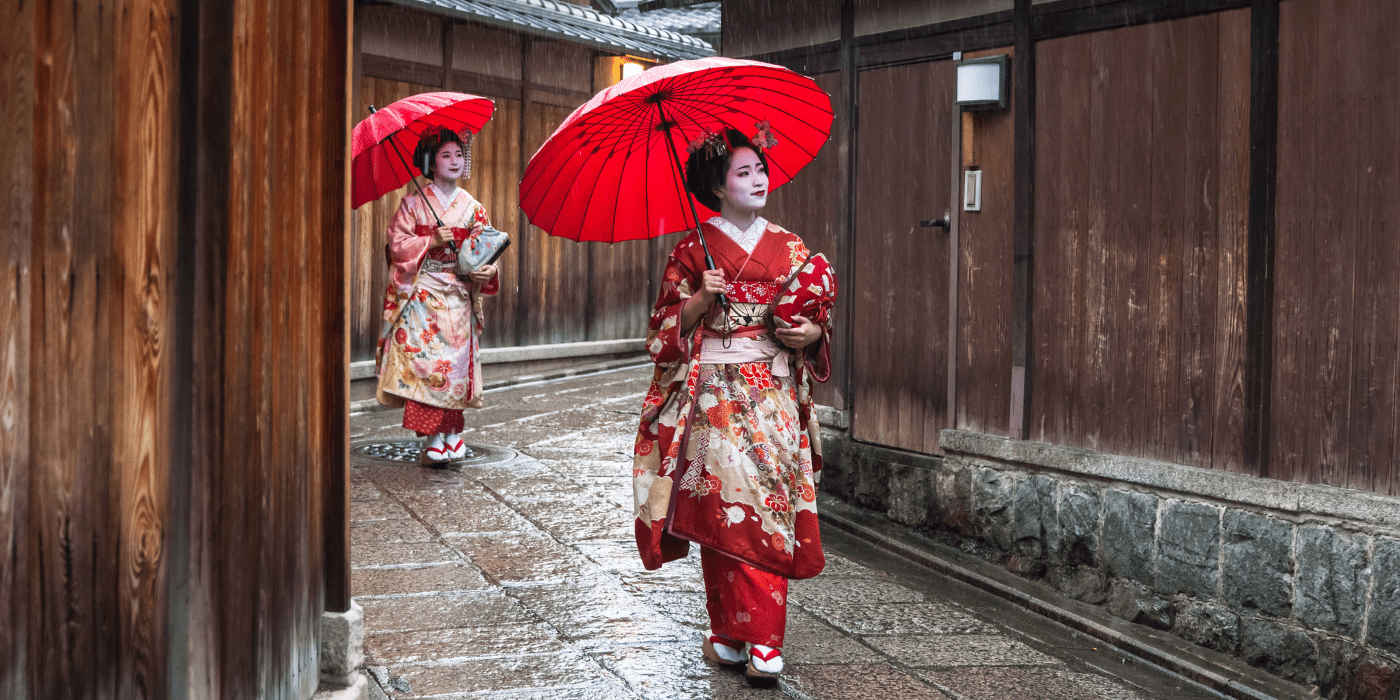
[(1186, 303), (173, 346)]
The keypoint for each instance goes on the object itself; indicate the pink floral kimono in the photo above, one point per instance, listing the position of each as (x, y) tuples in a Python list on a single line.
[(429, 351), (728, 452)]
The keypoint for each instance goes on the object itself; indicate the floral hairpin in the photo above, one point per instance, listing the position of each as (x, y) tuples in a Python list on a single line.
[(763, 138), (713, 142)]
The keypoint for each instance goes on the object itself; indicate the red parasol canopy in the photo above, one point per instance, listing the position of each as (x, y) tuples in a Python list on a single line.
[(381, 146), (608, 174)]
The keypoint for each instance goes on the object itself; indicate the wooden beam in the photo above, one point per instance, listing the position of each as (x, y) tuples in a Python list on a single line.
[(1070, 17), (522, 251), (847, 123), (467, 81), (1023, 289), (1259, 277), (449, 35)]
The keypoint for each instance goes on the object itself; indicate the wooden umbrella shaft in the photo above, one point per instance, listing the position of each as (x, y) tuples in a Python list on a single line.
[(414, 180), (680, 175)]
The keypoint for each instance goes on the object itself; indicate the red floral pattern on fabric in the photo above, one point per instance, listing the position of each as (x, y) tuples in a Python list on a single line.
[(744, 603)]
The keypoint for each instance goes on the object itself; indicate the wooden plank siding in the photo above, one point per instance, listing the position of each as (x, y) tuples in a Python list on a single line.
[(172, 346), (18, 51), (1142, 160), (985, 272), (900, 312), (1336, 365)]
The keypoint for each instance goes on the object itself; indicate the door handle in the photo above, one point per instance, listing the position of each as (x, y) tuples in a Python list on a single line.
[(945, 223)]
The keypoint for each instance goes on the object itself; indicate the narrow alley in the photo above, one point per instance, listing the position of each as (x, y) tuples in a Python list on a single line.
[(514, 575)]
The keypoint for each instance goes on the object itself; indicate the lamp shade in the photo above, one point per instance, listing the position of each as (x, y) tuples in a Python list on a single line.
[(982, 82)]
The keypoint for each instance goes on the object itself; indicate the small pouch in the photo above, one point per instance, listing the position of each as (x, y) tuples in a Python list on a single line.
[(482, 246), (807, 293)]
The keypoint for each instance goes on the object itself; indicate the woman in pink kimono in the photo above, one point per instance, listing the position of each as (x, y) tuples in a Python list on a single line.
[(428, 357), (728, 452)]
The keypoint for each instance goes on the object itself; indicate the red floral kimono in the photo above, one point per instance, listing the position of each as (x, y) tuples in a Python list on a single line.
[(429, 351), (728, 452)]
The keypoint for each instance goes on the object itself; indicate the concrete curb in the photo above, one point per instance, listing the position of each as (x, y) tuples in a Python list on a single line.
[(372, 405), (1216, 672)]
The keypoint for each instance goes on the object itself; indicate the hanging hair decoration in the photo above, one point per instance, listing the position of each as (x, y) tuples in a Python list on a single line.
[(714, 143), (763, 137), (467, 172)]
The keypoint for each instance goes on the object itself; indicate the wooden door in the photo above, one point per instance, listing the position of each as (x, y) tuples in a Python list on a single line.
[(901, 286)]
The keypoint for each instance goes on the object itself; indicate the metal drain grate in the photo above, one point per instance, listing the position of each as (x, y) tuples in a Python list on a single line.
[(410, 452), (400, 451)]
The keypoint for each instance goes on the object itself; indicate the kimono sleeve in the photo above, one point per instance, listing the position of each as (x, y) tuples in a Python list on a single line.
[(406, 247), (667, 341), (493, 285)]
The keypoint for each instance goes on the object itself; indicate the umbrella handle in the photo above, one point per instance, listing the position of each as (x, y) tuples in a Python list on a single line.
[(393, 146), (680, 178)]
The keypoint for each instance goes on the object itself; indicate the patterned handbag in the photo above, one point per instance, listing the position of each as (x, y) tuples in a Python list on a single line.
[(809, 293), (483, 246)]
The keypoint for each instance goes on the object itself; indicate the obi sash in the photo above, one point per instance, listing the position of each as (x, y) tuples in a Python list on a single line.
[(744, 347)]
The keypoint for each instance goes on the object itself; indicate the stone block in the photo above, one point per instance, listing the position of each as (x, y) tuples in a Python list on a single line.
[(870, 482), (342, 644), (1078, 526), (952, 493), (1084, 584), (911, 495), (1258, 569), (837, 474), (1208, 625), (1188, 549), (1373, 678), (1332, 580), (1035, 529), (1129, 524), (1135, 603), (991, 509), (1383, 630), (1281, 650)]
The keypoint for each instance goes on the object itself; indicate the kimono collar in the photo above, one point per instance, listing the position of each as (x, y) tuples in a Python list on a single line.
[(748, 240), (442, 197)]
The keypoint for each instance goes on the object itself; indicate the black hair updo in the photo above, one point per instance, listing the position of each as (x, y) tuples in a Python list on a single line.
[(425, 155), (707, 169)]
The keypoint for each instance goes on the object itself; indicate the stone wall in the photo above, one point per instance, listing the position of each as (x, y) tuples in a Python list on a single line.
[(1301, 580)]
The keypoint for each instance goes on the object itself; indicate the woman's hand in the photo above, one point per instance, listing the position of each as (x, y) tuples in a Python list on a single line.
[(711, 286), (483, 274), (801, 335), (443, 236)]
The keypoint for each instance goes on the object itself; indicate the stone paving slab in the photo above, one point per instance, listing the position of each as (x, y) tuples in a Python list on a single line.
[(520, 580), (441, 611)]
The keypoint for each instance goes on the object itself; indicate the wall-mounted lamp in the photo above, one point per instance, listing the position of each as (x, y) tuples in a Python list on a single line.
[(982, 82), (631, 68)]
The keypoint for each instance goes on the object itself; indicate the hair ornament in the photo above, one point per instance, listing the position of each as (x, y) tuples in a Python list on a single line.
[(714, 144), (763, 137)]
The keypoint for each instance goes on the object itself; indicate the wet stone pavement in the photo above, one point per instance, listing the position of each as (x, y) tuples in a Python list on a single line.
[(514, 576)]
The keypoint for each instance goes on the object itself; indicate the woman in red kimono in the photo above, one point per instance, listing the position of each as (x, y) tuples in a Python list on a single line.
[(428, 357), (728, 452)]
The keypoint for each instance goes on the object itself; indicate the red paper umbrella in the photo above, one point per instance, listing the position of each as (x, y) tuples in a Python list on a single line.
[(611, 171), (381, 146)]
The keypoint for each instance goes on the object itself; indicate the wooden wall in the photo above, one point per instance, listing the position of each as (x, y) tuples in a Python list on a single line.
[(1336, 361), (552, 290), (985, 271), (1141, 214), (172, 347)]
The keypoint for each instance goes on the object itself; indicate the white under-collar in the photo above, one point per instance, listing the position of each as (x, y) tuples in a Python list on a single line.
[(445, 197), (748, 240)]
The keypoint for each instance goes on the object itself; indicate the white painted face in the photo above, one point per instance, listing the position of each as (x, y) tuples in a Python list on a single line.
[(449, 163), (746, 186)]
